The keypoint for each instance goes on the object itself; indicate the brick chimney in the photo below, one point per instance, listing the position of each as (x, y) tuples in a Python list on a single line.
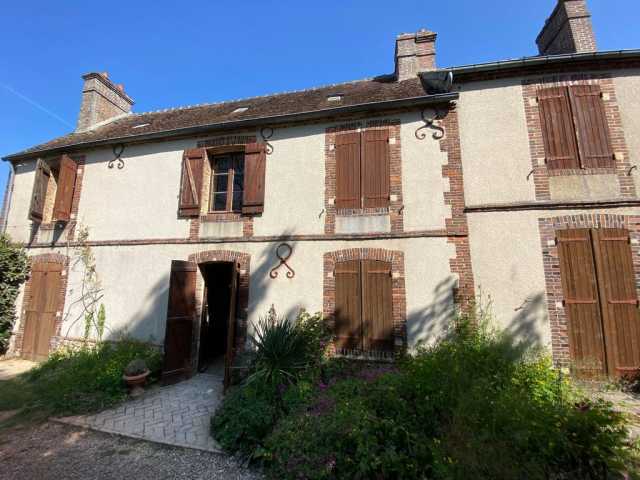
[(415, 52), (567, 30), (101, 100)]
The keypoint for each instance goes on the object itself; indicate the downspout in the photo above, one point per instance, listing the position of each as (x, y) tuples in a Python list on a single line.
[(6, 204)]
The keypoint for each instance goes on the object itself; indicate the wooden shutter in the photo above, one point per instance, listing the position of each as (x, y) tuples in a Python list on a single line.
[(65, 188), (375, 168), (619, 298), (592, 129), (348, 170), (377, 311), (581, 302), (191, 183), (560, 145), (181, 311), (39, 194), (255, 161), (348, 317)]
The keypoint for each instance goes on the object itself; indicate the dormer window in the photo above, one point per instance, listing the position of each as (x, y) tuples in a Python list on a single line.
[(240, 110), (335, 97)]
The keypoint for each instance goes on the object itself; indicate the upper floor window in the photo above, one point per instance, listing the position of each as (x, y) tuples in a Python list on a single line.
[(53, 189), (362, 169), (575, 128), (227, 182)]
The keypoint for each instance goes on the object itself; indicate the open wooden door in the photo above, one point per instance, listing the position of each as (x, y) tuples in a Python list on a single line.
[(181, 312), (231, 327)]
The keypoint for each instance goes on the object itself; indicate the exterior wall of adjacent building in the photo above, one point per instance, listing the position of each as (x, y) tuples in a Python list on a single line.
[(132, 214)]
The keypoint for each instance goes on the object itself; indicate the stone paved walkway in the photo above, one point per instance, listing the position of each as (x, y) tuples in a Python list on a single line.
[(12, 367), (176, 415)]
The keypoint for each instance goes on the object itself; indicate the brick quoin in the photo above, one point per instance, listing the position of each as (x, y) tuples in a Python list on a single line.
[(551, 263)]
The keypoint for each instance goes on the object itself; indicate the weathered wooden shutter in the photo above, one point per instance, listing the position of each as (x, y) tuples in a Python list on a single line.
[(348, 170), (581, 302), (592, 129), (375, 168), (65, 189), (255, 162), (377, 311), (191, 183), (619, 299), (560, 145), (181, 310), (39, 194), (348, 315)]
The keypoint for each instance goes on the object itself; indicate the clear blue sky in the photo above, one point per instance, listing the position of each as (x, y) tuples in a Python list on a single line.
[(170, 53)]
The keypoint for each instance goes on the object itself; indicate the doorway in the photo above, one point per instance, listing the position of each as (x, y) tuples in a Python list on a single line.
[(217, 323)]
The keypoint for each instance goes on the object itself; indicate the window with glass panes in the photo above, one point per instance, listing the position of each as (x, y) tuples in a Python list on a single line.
[(227, 180)]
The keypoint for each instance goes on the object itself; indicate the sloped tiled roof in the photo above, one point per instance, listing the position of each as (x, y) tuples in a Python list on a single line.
[(128, 127)]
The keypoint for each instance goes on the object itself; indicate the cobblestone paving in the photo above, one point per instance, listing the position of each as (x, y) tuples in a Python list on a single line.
[(176, 415)]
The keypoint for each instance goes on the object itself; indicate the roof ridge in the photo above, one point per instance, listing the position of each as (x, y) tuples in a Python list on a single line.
[(246, 99)]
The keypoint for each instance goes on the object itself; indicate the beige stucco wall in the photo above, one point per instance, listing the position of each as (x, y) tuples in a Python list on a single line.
[(628, 91), (495, 143), (18, 223), (506, 255), (135, 282)]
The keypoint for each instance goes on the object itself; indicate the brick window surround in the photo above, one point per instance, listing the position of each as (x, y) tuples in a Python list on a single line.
[(243, 261), (548, 226), (63, 227), (540, 172), (56, 339), (214, 146), (395, 181), (398, 291)]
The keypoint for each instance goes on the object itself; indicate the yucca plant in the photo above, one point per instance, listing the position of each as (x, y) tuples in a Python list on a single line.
[(281, 352)]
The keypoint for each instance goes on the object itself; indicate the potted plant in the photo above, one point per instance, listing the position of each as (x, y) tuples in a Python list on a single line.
[(135, 375)]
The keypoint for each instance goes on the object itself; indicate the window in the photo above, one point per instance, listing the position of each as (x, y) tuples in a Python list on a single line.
[(575, 128), (227, 182), (362, 169), (364, 313), (53, 190)]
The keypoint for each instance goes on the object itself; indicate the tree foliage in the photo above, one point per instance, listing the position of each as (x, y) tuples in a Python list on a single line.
[(14, 269)]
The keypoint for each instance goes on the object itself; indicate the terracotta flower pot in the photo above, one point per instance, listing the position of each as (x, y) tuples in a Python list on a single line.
[(136, 382)]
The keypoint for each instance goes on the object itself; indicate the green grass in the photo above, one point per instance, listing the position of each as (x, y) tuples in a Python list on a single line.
[(74, 382)]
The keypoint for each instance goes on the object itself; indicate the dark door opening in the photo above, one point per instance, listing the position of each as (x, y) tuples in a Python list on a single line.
[(218, 316)]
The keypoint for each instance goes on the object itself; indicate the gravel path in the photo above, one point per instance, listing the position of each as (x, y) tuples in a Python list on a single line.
[(55, 451)]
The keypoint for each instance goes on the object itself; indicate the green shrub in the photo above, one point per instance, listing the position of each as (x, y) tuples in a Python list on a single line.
[(74, 381), (472, 406), (13, 273)]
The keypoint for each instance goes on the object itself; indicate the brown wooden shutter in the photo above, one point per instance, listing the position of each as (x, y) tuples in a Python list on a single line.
[(348, 170), (375, 168), (377, 311), (191, 183), (592, 129), (39, 194), (64, 191), (581, 301), (560, 145), (181, 310), (255, 162), (619, 299), (348, 316)]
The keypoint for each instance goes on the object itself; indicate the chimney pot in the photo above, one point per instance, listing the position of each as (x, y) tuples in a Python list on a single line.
[(102, 100), (567, 30), (415, 53)]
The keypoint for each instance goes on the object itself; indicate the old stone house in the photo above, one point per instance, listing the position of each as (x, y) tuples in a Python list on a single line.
[(382, 203)]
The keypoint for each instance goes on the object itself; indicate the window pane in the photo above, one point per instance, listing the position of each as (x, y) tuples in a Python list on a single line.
[(220, 183), (219, 202), (238, 163), (237, 201), (238, 181), (222, 164)]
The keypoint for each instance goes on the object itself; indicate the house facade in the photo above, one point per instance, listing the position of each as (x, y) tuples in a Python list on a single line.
[(383, 203)]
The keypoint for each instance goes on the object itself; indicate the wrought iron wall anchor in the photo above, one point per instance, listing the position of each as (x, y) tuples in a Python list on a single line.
[(118, 150), (283, 261), (429, 121), (635, 167), (266, 133)]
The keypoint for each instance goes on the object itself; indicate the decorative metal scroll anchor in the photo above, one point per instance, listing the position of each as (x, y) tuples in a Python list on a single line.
[(118, 150), (283, 257), (266, 133), (429, 116)]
